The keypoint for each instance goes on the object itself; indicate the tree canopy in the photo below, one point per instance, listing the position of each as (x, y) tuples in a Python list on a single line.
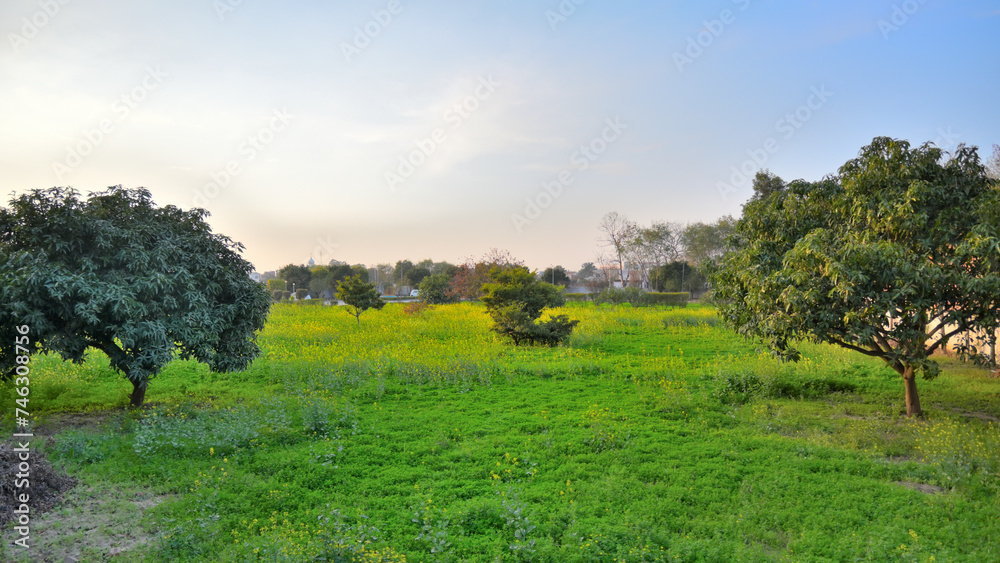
[(891, 257), (515, 299), (116, 273), (359, 296)]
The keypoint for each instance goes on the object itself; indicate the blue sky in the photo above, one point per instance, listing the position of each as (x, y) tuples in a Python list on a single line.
[(374, 131)]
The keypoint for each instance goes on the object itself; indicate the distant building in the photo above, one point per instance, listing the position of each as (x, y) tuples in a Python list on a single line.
[(257, 277)]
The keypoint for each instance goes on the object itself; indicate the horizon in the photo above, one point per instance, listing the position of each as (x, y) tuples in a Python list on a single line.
[(392, 130)]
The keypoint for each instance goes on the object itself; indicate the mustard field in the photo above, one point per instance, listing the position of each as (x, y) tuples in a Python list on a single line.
[(655, 434)]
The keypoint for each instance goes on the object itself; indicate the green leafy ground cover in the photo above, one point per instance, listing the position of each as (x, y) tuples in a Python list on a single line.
[(656, 435)]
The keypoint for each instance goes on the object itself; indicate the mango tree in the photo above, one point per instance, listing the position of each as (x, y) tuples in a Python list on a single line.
[(891, 257), (115, 273)]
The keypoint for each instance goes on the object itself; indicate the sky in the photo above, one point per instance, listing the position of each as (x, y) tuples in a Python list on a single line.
[(376, 131)]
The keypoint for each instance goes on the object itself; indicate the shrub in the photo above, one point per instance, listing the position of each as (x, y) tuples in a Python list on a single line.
[(578, 296), (639, 298), (417, 308), (286, 295), (277, 294), (301, 293), (277, 285), (741, 386), (515, 300)]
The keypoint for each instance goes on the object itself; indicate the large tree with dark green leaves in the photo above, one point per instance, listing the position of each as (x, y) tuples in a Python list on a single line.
[(891, 257), (113, 272)]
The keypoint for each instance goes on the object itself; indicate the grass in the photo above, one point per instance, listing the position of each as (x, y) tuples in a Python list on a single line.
[(655, 435)]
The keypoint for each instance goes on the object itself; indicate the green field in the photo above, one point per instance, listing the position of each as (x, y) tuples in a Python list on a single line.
[(654, 435)]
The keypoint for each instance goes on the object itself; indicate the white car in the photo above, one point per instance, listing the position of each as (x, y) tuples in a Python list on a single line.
[(415, 293)]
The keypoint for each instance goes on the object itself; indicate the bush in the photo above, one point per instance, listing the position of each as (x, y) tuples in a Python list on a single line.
[(640, 298), (741, 386), (286, 295), (578, 296), (515, 300), (301, 293), (416, 308), (277, 294), (277, 285)]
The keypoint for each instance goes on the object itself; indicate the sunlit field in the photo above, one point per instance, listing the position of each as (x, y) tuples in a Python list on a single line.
[(654, 435)]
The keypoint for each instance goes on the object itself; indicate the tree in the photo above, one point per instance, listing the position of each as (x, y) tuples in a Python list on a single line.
[(618, 234), (297, 276), (359, 296), (589, 276), (555, 276), (678, 276), (360, 270), (515, 300), (141, 283), (890, 258), (993, 164), (434, 289), (766, 183), (468, 280), (416, 275), (402, 267), (704, 241), (319, 282)]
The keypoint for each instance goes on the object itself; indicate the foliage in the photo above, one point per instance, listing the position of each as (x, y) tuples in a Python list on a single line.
[(555, 276), (678, 276), (468, 280), (359, 296), (434, 289), (276, 285), (416, 275), (515, 300), (706, 241), (639, 298), (114, 272), (613, 447), (297, 276), (890, 258)]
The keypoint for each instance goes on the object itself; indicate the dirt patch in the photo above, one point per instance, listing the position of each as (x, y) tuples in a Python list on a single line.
[(921, 487), (56, 423), (974, 414), (94, 523), (44, 485)]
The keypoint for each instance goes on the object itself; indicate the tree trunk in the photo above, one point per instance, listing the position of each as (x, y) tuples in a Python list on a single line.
[(912, 400), (138, 394)]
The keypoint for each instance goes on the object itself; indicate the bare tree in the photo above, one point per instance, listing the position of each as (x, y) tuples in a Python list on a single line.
[(618, 235), (993, 164)]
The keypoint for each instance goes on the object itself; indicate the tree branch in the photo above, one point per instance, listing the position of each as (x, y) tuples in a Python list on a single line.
[(865, 351)]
